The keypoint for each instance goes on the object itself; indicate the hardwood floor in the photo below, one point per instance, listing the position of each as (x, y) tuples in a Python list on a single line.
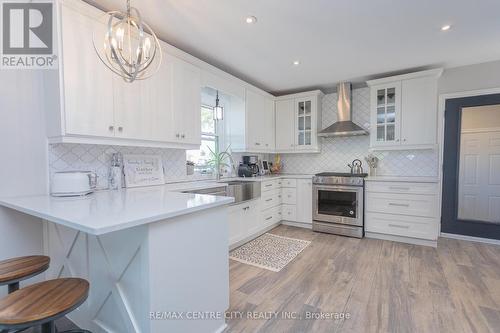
[(384, 286)]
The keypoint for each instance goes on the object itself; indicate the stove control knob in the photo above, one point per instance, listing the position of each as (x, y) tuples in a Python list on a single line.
[(351, 212)]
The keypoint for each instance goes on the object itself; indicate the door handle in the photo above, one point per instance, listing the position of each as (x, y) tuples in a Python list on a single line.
[(270, 217), (398, 204), (399, 226), (399, 188)]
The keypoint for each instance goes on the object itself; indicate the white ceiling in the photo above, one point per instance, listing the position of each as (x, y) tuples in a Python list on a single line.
[(334, 40)]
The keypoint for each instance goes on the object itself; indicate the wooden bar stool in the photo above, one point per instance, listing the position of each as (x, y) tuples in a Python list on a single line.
[(41, 304), (17, 269)]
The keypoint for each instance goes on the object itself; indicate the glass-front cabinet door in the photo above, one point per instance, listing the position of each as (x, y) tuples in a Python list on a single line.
[(386, 111), (305, 123)]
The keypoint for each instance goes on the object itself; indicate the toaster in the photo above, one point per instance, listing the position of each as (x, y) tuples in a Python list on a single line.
[(73, 183)]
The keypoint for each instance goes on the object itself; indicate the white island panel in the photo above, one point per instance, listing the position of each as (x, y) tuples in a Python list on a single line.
[(176, 265)]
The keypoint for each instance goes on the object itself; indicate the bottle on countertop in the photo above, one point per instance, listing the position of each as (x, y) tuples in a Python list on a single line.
[(116, 172)]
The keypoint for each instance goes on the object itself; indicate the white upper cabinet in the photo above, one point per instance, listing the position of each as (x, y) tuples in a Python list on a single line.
[(132, 116), (159, 92), (260, 121), (86, 82), (306, 123), (297, 121), (285, 125), (97, 106), (386, 120), (419, 101), (257, 122), (187, 102), (403, 111)]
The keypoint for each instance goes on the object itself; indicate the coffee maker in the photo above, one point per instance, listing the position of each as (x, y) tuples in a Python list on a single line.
[(249, 167)]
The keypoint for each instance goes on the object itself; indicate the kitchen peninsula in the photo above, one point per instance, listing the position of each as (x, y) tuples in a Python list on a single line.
[(145, 251)]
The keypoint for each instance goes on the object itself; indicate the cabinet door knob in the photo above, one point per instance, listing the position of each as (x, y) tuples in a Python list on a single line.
[(257, 144), (111, 128), (397, 140), (120, 129), (404, 139), (177, 135), (183, 136)]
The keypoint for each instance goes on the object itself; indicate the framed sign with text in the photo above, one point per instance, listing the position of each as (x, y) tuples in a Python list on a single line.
[(143, 170)]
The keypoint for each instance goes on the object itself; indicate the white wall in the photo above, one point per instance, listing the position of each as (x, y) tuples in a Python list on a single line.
[(23, 159), (472, 77)]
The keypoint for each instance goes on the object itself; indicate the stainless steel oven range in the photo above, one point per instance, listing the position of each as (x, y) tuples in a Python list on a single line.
[(338, 200)]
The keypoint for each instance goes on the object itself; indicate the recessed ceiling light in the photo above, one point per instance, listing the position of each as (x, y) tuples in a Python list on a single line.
[(296, 63), (251, 19), (445, 27)]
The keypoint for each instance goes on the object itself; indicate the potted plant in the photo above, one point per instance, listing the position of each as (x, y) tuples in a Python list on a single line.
[(219, 159)]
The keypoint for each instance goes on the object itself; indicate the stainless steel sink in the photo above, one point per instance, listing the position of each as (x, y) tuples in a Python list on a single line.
[(243, 190), (240, 190)]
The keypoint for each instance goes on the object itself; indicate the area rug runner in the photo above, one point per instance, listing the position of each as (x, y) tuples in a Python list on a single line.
[(269, 251)]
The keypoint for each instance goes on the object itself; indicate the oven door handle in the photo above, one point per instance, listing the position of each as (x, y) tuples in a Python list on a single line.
[(340, 188)]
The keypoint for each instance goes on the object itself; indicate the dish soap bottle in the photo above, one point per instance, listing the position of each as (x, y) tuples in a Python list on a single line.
[(116, 172)]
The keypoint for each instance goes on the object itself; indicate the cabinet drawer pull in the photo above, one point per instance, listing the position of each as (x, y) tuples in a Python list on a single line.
[(268, 185), (399, 188), (399, 226), (398, 205), (247, 207), (257, 144), (270, 217), (271, 199)]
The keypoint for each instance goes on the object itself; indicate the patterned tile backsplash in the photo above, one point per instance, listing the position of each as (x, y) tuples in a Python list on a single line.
[(97, 158), (334, 156), (337, 152)]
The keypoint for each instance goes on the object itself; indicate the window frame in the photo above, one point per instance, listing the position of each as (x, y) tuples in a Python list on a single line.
[(208, 136)]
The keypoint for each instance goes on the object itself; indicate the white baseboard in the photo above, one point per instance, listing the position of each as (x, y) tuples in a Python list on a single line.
[(470, 238), (401, 239), (297, 224)]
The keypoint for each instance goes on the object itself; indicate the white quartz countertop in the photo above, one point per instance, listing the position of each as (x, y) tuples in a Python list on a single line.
[(107, 211), (402, 179)]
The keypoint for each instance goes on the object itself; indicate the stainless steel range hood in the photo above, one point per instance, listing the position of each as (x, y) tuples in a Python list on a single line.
[(344, 125)]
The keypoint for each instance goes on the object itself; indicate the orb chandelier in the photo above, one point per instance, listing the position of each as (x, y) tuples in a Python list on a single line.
[(130, 47)]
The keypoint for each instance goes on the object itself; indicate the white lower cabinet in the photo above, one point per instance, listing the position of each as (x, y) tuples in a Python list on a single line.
[(243, 221), (304, 201), (401, 225), (289, 212), (249, 220), (402, 209), (297, 200)]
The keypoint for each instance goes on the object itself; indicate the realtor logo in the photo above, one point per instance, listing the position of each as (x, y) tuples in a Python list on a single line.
[(27, 35)]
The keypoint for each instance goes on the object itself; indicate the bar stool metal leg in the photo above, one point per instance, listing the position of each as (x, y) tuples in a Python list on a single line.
[(13, 287)]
